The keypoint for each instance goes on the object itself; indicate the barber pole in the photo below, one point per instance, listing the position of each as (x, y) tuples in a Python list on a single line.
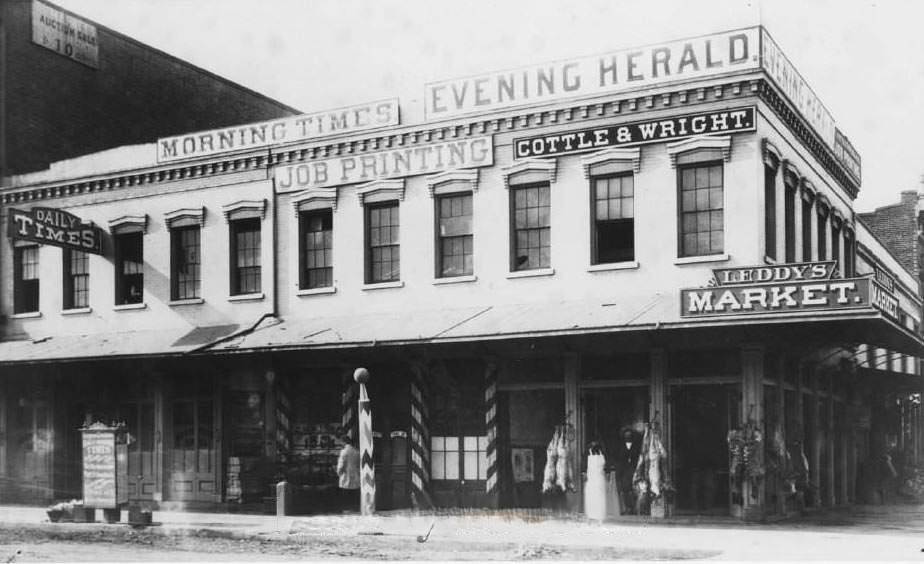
[(420, 436), (490, 422), (367, 465)]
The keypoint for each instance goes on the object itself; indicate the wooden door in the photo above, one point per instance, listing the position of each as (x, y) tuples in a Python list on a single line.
[(139, 419), (30, 464), (192, 449)]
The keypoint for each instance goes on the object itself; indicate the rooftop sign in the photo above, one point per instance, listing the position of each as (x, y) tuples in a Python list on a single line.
[(363, 117), (618, 71), (67, 35)]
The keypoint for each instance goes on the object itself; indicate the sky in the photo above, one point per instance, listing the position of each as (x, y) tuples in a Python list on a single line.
[(864, 59)]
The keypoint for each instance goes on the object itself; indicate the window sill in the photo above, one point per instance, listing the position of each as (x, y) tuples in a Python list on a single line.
[(255, 297), (317, 291), (704, 258), (189, 301), (77, 311), (454, 280), (129, 307), (26, 315), (531, 273), (383, 285), (628, 265)]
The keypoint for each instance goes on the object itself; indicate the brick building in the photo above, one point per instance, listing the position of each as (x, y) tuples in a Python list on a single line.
[(69, 87), (900, 227)]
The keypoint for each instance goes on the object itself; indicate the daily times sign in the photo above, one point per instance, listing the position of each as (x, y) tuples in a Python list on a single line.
[(783, 288), (64, 34), (54, 227)]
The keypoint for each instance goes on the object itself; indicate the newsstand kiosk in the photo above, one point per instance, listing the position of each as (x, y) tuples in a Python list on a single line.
[(105, 470)]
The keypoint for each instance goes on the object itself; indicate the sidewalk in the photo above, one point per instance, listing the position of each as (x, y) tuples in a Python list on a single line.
[(865, 532)]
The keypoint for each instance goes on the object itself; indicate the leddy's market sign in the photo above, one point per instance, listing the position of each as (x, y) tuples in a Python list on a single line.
[(776, 289), (54, 227)]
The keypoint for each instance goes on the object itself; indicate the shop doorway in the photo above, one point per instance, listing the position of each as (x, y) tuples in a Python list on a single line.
[(701, 417), (32, 448), (192, 446), (139, 420), (391, 419)]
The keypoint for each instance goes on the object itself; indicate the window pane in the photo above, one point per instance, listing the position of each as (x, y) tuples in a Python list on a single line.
[(438, 465), (482, 443), (452, 465), (452, 444), (470, 465), (482, 465), (470, 444)]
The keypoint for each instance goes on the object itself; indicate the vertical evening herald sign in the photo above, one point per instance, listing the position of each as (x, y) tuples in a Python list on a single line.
[(64, 34)]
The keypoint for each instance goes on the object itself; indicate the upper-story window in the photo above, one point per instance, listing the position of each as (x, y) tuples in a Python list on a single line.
[(701, 194), (76, 281), (316, 239), (822, 231), (532, 227), (26, 279), (770, 171), (849, 260), (246, 271), (702, 213), (614, 219), (185, 256), (455, 246), (808, 198), (128, 247), (383, 243), (836, 244)]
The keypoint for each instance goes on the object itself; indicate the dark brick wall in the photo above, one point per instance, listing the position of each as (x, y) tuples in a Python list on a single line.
[(57, 108), (896, 226)]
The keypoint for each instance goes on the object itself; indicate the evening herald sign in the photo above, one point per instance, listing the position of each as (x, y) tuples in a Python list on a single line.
[(776, 289), (54, 227), (614, 72), (363, 117), (677, 127), (383, 165), (64, 34)]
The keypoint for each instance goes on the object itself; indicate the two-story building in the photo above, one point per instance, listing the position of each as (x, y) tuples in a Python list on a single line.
[(658, 240)]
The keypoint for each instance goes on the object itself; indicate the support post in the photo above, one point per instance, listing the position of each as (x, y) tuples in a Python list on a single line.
[(572, 406), (367, 464), (752, 367), (490, 425), (420, 437)]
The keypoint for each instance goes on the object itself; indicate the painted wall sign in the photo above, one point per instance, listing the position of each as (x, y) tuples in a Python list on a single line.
[(847, 155), (884, 278), (650, 131), (362, 117), (796, 89), (382, 165), (885, 301), (67, 35), (790, 272), (627, 69), (99, 469), (55, 227)]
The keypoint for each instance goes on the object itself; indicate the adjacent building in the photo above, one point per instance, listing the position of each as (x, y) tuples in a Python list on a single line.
[(660, 240)]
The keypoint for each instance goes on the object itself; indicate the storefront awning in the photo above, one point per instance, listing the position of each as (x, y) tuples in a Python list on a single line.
[(154, 342)]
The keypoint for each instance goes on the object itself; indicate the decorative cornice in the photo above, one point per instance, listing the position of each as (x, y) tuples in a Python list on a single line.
[(547, 167), (244, 208), (614, 155), (465, 176), (808, 191), (380, 191), (315, 199), (185, 216), (139, 222), (822, 205), (700, 142), (791, 175), (772, 155)]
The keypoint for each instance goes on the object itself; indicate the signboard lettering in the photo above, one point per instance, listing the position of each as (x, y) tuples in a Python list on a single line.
[(727, 121), (805, 271), (613, 72), (55, 227), (99, 469), (885, 279), (775, 297), (363, 117), (796, 89), (383, 165), (847, 155), (64, 34), (885, 301)]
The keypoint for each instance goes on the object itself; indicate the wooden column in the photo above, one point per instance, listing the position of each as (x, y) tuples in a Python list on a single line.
[(831, 438), (160, 407), (813, 435), (752, 371), (781, 421), (572, 369), (657, 408)]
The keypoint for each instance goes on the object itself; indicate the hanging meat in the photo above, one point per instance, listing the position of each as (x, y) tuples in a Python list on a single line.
[(650, 473), (563, 474), (549, 477)]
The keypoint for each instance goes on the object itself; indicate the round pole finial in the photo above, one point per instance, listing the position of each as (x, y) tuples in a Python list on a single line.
[(361, 375)]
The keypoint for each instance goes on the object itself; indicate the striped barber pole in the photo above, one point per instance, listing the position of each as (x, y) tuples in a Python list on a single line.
[(490, 423), (367, 468), (348, 403), (420, 436)]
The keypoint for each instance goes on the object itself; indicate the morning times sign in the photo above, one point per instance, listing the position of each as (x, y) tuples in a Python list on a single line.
[(649, 131), (776, 289)]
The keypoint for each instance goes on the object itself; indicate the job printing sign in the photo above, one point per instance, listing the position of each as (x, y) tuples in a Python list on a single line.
[(64, 34), (613, 72), (384, 165), (362, 117), (777, 289), (650, 131), (54, 227)]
